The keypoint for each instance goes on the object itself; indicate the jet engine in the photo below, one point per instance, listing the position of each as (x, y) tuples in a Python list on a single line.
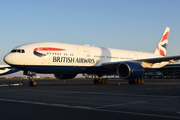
[(65, 76), (130, 70)]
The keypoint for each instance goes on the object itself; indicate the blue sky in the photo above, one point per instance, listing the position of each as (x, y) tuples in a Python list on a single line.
[(123, 24)]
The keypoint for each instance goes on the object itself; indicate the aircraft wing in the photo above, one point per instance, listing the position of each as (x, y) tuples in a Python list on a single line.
[(161, 59), (145, 63)]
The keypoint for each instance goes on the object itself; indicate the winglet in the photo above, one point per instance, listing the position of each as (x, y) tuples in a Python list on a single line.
[(162, 46)]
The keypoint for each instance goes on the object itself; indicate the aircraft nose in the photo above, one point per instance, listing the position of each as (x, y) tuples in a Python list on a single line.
[(8, 59)]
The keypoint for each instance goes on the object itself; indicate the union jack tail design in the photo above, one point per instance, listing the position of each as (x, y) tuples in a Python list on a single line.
[(162, 46)]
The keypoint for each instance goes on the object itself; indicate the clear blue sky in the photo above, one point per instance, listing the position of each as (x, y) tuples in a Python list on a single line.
[(123, 24)]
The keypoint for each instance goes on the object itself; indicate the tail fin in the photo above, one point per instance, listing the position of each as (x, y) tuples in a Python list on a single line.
[(162, 46)]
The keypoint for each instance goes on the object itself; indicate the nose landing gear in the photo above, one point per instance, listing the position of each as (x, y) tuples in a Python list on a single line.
[(32, 77), (33, 82)]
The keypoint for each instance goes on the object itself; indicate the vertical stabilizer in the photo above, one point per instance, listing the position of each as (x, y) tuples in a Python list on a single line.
[(162, 46)]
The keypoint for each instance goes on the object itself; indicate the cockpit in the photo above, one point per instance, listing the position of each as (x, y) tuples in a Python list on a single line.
[(18, 51)]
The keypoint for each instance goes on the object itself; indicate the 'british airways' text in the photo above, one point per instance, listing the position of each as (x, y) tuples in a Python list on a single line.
[(73, 60)]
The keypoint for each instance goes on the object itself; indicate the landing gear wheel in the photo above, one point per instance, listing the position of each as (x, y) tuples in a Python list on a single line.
[(135, 81), (33, 83), (142, 81), (99, 81), (103, 81), (106, 81), (130, 81), (95, 81), (138, 81)]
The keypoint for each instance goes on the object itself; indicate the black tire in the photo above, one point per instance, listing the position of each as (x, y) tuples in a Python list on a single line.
[(33, 83), (99, 81), (30, 83), (130, 81), (103, 81), (135, 81), (142, 81), (106, 81), (139, 81), (95, 81)]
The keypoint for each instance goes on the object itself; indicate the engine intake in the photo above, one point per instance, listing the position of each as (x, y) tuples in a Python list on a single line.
[(65, 76), (130, 70)]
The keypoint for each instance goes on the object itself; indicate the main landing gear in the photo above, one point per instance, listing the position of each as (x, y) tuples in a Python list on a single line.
[(136, 81), (33, 82), (101, 81)]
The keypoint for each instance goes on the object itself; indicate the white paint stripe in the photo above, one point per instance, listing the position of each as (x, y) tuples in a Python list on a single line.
[(144, 114), (170, 98), (121, 104), (82, 107), (30, 102), (98, 93)]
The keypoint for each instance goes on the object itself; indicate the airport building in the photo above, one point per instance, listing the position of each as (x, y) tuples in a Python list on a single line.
[(171, 71)]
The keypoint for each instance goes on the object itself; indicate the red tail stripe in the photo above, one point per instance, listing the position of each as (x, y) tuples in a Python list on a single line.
[(161, 52), (165, 37)]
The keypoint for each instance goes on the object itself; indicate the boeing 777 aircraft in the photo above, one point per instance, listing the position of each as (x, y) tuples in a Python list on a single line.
[(65, 61), (6, 69)]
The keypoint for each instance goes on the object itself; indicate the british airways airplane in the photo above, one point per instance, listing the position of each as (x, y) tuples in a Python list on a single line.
[(6, 69), (65, 61)]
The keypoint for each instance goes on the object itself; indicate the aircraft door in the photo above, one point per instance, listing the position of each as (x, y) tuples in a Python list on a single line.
[(87, 57), (86, 54), (84, 57)]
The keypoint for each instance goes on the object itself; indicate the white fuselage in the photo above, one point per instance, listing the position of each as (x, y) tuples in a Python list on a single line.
[(60, 55)]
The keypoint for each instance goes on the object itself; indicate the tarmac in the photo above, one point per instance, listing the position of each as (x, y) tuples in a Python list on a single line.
[(82, 100)]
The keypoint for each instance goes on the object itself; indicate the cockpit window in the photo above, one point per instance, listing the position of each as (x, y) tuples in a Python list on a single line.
[(18, 51), (14, 50)]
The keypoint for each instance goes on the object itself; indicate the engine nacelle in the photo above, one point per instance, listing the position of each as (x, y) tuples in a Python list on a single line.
[(130, 70), (65, 76)]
